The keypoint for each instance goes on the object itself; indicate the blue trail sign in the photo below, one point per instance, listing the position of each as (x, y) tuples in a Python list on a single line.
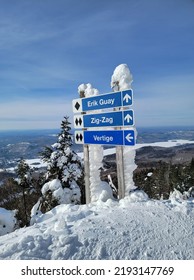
[(113, 119), (103, 101), (106, 137)]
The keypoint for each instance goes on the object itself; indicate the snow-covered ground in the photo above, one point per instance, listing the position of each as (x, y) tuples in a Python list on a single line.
[(133, 228)]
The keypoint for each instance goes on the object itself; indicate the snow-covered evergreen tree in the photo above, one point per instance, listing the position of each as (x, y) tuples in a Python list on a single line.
[(64, 169), (24, 181), (63, 163)]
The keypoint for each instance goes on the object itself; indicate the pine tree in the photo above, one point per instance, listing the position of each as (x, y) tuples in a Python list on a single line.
[(46, 154), (64, 167), (191, 170), (23, 173), (63, 163), (65, 137)]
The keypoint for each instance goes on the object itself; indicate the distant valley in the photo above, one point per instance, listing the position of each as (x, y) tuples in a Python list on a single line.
[(28, 145), (150, 159), (148, 156), (24, 144)]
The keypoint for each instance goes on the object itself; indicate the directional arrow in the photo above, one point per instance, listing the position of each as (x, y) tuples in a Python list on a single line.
[(129, 137), (128, 118), (126, 98)]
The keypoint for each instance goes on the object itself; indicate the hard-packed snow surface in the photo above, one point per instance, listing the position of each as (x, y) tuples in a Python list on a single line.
[(134, 228)]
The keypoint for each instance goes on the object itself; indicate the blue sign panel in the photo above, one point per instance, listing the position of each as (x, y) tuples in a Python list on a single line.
[(113, 119), (103, 101), (106, 119), (106, 137)]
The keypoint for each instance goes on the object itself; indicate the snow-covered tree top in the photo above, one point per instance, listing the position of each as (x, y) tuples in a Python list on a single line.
[(121, 78)]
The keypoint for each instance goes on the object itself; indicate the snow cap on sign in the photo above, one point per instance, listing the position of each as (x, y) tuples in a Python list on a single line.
[(121, 78), (86, 90)]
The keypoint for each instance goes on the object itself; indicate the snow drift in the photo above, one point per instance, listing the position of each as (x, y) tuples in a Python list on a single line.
[(133, 228)]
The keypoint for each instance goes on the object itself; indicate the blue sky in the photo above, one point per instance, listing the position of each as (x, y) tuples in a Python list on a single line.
[(49, 47)]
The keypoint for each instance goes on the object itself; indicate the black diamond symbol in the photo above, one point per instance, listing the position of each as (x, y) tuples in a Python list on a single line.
[(79, 137), (77, 105), (76, 122)]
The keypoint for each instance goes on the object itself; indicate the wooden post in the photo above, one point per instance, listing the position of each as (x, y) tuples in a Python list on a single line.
[(87, 173), (86, 165), (120, 168), (120, 172)]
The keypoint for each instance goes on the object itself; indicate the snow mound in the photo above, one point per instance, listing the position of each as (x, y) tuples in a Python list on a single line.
[(7, 221), (133, 228), (63, 195), (137, 196)]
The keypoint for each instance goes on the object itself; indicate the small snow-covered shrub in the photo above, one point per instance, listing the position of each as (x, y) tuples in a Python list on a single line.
[(54, 194), (176, 195)]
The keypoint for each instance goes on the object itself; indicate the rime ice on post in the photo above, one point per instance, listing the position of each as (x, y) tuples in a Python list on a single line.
[(98, 189), (121, 80)]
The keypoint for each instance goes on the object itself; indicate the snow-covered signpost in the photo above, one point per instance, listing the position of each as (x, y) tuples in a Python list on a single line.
[(93, 155), (118, 132), (125, 156), (81, 90)]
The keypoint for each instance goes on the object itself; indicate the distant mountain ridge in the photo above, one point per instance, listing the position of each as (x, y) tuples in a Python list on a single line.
[(148, 156), (176, 155), (28, 144)]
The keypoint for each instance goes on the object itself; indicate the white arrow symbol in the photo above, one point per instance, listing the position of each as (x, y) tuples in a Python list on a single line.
[(129, 137), (126, 98), (128, 118)]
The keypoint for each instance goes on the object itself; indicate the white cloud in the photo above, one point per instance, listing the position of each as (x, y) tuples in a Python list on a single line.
[(32, 114)]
